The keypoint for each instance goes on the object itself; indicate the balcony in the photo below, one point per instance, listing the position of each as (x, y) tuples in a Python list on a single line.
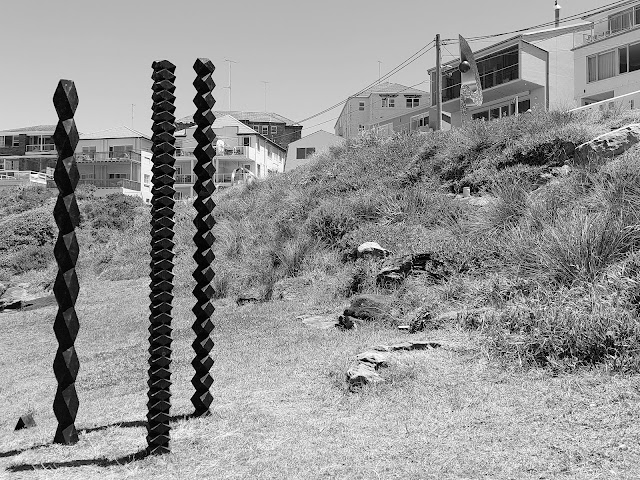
[(221, 151), (612, 25), (218, 178), (113, 157), (44, 148), (105, 183), (21, 177)]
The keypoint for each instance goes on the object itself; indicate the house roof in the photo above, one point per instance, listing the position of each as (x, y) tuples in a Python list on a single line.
[(33, 129), (116, 132), (229, 121), (258, 117), (388, 87)]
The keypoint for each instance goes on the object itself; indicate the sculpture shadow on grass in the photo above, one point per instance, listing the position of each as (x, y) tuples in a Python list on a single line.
[(96, 462)]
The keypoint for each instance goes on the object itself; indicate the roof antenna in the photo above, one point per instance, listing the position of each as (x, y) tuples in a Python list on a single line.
[(557, 9)]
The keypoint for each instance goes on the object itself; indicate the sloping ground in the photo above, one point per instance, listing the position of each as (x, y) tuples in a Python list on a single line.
[(281, 408)]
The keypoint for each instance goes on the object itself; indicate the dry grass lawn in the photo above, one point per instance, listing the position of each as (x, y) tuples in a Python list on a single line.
[(281, 409)]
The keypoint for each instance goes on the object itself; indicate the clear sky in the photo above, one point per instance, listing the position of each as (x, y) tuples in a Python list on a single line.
[(313, 54)]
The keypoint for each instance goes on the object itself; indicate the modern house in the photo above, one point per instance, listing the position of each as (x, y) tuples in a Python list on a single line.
[(117, 160), (417, 121), (27, 155), (534, 69), (271, 125), (376, 104), (241, 152), (607, 59), (301, 151)]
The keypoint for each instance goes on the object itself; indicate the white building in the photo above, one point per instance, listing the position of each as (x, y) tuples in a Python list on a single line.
[(607, 59), (301, 151), (240, 152)]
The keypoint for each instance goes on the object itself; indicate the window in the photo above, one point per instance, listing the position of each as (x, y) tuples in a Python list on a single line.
[(274, 129), (147, 179), (258, 169), (606, 65), (385, 102), (481, 115), (623, 64), (524, 105), (621, 21), (118, 175), (16, 141), (268, 152), (361, 128), (304, 153), (634, 57), (361, 106), (120, 151), (494, 113), (413, 102), (86, 176), (591, 69), (2, 144), (392, 103), (388, 102), (265, 129), (246, 141)]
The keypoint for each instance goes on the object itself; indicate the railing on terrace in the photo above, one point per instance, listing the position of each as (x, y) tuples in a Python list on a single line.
[(487, 80), (47, 147), (611, 25), (217, 178), (226, 150), (88, 157), (24, 176)]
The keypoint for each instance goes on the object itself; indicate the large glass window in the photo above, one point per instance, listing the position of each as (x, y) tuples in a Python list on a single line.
[(621, 21), (634, 57), (606, 65), (495, 69), (623, 64)]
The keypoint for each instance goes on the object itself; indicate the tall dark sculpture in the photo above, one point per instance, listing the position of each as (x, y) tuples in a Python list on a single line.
[(162, 244), (204, 187), (66, 286)]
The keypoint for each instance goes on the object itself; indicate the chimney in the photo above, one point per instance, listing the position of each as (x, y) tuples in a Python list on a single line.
[(557, 9)]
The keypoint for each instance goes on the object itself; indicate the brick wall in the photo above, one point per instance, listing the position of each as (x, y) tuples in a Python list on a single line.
[(285, 133)]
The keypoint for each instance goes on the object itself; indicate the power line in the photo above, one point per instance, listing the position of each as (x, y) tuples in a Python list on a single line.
[(610, 6), (401, 66)]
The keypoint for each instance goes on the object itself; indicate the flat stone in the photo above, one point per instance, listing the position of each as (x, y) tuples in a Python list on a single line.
[(362, 374), (371, 249), (375, 358), (609, 144), (12, 295), (321, 322)]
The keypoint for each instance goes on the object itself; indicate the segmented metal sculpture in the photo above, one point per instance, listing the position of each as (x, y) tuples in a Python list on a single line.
[(66, 286), (162, 244), (204, 188)]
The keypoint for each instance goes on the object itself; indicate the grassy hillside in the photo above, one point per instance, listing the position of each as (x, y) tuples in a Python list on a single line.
[(551, 256), (534, 301)]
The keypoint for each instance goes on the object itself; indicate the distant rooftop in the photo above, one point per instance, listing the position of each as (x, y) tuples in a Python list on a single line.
[(34, 129), (388, 87), (116, 132), (258, 117)]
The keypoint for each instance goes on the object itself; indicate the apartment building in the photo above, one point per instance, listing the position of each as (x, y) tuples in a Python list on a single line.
[(117, 160), (241, 153), (534, 69), (273, 126), (607, 59), (377, 104), (27, 155)]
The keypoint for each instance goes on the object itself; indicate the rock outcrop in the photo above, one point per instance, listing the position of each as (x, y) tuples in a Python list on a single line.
[(608, 144)]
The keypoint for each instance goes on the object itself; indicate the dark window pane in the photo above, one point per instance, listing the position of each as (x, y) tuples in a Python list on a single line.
[(481, 115), (634, 57), (300, 154), (524, 105), (495, 113), (8, 141), (592, 68), (504, 111), (622, 55)]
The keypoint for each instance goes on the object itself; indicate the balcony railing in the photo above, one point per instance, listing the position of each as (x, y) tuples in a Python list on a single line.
[(185, 178), (104, 183), (226, 150), (24, 176), (90, 157), (217, 178), (47, 147)]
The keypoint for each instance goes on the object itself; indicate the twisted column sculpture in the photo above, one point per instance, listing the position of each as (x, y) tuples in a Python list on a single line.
[(66, 286), (162, 244), (204, 187)]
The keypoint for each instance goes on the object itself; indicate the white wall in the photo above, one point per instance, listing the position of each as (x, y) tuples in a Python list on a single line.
[(320, 140)]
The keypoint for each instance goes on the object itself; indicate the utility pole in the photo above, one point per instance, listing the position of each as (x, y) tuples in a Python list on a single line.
[(265, 94), (379, 76), (438, 84), (229, 87)]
